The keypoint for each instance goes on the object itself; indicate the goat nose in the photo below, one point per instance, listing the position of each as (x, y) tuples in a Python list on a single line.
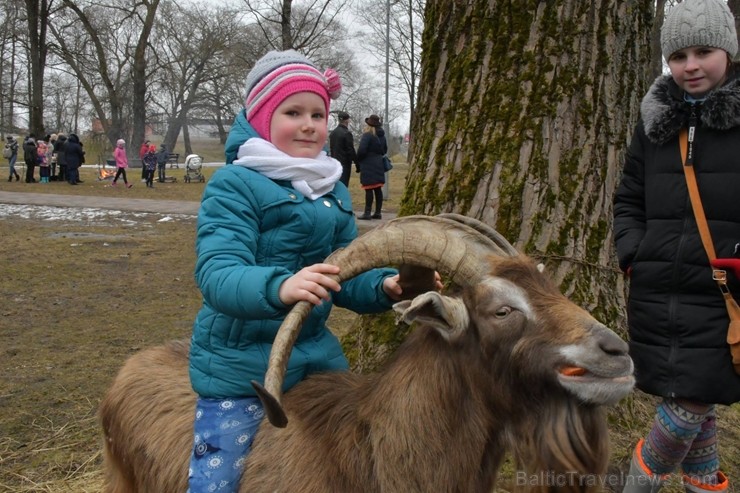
[(609, 342)]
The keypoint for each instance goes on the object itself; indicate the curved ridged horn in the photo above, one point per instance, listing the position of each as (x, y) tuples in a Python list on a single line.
[(484, 229), (458, 248)]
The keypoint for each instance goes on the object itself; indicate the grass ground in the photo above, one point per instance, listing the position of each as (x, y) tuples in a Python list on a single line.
[(78, 297)]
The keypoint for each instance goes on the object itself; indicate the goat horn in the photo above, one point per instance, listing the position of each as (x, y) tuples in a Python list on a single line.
[(484, 229), (454, 245)]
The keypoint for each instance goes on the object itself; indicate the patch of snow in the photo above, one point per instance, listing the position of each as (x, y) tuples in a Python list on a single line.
[(87, 215)]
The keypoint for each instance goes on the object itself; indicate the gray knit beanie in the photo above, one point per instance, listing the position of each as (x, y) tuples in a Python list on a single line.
[(271, 61), (699, 23)]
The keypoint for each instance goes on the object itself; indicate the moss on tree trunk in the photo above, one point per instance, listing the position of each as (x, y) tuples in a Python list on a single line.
[(525, 110)]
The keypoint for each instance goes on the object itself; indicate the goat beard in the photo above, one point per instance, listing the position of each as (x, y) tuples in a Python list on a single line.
[(563, 448)]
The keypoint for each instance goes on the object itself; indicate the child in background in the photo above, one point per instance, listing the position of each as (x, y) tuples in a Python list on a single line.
[(149, 162), (143, 149), (265, 225), (42, 149), (121, 163), (677, 317)]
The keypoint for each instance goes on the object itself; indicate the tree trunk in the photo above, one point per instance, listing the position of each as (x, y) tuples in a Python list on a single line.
[(186, 138), (735, 8), (524, 114), (37, 13), (656, 58), (139, 65), (286, 35)]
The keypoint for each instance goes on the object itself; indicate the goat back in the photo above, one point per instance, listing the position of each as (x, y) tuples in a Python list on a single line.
[(148, 413)]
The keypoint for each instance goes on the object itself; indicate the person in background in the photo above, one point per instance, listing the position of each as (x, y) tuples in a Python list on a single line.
[(61, 161), (119, 154), (162, 157), (51, 156), (41, 150), (677, 317), (30, 156), (142, 152), (12, 146), (265, 224), (149, 162), (74, 156), (342, 146), (370, 152)]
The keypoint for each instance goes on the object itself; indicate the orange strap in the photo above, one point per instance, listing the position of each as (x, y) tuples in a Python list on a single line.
[(720, 276), (701, 219)]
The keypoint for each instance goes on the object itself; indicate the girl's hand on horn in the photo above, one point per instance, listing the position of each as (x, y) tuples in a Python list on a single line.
[(394, 290), (310, 284)]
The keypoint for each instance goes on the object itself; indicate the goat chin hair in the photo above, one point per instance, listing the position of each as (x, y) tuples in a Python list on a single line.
[(564, 447)]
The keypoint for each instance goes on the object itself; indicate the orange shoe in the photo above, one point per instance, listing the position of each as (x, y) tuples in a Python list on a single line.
[(694, 485)]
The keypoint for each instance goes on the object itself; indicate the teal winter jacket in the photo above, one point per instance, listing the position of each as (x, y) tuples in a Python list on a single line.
[(253, 233), (240, 132)]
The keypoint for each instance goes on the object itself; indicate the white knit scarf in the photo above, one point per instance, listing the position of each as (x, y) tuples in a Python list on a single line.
[(312, 177)]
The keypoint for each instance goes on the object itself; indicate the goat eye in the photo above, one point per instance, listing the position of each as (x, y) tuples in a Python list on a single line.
[(503, 311)]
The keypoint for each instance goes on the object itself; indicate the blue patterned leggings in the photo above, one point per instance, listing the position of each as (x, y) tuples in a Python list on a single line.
[(223, 435), (683, 433)]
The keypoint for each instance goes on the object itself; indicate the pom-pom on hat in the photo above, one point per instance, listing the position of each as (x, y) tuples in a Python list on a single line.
[(277, 76), (699, 23)]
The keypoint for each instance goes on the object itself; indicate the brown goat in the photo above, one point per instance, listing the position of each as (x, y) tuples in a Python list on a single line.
[(510, 365)]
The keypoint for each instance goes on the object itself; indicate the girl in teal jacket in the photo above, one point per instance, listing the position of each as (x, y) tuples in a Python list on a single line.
[(266, 223)]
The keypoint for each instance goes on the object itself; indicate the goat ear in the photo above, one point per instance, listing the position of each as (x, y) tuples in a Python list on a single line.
[(446, 315)]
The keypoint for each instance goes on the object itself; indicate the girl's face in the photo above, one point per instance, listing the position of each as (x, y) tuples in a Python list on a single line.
[(698, 69), (298, 126)]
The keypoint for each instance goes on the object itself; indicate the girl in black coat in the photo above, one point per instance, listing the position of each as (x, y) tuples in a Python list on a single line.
[(373, 147), (677, 316)]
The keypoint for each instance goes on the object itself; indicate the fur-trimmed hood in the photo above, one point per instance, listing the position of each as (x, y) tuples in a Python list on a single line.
[(664, 110)]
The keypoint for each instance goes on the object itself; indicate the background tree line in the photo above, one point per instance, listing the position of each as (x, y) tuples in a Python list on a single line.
[(126, 64)]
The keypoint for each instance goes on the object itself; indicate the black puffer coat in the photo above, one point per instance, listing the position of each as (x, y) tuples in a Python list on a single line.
[(370, 154), (74, 156), (677, 317), (30, 154)]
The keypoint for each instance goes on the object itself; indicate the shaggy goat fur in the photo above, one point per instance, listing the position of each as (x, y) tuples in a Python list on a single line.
[(439, 417)]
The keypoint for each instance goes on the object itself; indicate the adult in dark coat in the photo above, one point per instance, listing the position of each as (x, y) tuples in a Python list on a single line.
[(74, 157), (677, 317), (30, 156), (342, 146), (370, 152), (162, 156), (59, 146), (12, 146)]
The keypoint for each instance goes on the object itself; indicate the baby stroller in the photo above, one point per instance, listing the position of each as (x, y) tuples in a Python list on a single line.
[(193, 167)]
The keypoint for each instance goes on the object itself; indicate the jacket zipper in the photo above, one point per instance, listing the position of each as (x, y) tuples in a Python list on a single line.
[(673, 302)]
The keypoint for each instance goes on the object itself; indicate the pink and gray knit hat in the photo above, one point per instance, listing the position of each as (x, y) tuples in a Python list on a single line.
[(278, 75)]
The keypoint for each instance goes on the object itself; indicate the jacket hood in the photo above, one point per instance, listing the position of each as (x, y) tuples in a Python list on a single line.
[(664, 110)]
